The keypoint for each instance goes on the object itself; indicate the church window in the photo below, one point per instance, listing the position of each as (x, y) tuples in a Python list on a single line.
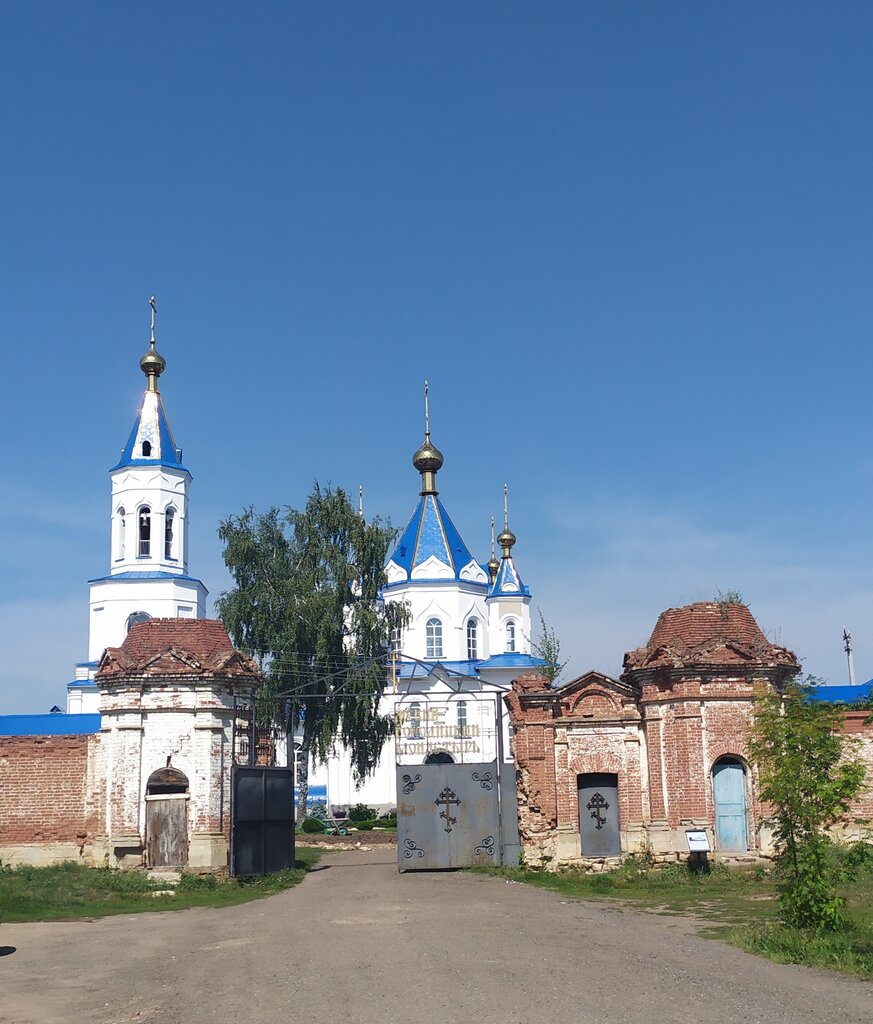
[(169, 518), (434, 634), (396, 639), (461, 711), (472, 639), (146, 449), (510, 636), (122, 521), (145, 532), (415, 721), (136, 617)]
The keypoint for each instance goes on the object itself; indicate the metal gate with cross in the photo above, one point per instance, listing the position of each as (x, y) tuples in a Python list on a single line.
[(448, 816)]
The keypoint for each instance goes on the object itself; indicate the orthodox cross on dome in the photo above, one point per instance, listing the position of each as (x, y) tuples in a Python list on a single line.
[(361, 500), (152, 363), (493, 564), (154, 312), (507, 538), (426, 410)]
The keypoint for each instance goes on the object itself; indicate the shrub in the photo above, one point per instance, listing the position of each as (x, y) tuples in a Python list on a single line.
[(196, 883), (312, 825), (364, 826), (361, 812)]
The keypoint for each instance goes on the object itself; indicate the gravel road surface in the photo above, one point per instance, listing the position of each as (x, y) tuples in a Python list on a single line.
[(358, 943)]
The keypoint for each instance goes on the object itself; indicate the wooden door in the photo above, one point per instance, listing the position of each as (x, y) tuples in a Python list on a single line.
[(167, 831), (598, 815), (729, 790)]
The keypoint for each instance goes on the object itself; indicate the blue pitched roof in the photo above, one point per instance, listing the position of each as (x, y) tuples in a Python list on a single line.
[(151, 428), (431, 533), (842, 694), (511, 661), (49, 725), (508, 582), (146, 574)]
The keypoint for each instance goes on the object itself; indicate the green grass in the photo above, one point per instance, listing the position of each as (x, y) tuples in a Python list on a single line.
[(70, 890), (737, 905)]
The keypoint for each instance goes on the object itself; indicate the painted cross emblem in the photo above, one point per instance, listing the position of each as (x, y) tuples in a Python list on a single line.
[(597, 805), (448, 798)]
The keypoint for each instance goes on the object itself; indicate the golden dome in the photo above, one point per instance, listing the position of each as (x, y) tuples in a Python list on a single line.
[(506, 540), (428, 458), (153, 363)]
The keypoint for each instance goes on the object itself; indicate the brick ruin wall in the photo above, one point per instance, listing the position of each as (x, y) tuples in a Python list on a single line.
[(48, 798)]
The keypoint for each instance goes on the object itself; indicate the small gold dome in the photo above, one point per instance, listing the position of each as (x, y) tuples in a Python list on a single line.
[(428, 458), (153, 363), (506, 539), (493, 568)]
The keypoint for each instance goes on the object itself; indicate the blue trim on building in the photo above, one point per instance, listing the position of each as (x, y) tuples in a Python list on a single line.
[(149, 574), (430, 533), (82, 684), (511, 661), (170, 455), (49, 725)]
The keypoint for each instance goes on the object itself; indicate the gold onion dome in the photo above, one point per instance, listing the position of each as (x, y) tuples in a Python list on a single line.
[(506, 539), (428, 458), (153, 363)]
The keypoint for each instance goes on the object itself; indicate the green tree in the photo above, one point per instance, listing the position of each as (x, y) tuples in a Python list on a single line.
[(305, 601), (808, 774), (548, 647)]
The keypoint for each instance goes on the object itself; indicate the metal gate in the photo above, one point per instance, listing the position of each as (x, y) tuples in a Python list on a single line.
[(261, 793), (448, 816), (262, 820)]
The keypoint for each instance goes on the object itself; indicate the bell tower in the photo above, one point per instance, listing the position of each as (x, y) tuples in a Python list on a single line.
[(148, 543)]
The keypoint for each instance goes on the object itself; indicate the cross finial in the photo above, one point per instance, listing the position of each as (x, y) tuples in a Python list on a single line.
[(492, 536), (426, 410), (505, 507), (361, 501), (154, 311)]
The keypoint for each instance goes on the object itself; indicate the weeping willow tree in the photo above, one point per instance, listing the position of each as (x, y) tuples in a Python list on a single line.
[(305, 601)]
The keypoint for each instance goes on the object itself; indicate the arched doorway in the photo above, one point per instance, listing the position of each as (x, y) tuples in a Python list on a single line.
[(439, 757), (167, 819), (729, 796)]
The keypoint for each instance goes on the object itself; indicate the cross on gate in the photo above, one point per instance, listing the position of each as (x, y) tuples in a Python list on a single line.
[(597, 804), (448, 798)]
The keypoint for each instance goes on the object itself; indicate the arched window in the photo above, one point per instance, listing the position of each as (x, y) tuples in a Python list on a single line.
[(136, 617), (146, 449), (396, 639), (472, 639), (510, 636), (434, 632), (415, 720), (169, 517), (122, 524), (461, 712), (439, 757), (145, 531)]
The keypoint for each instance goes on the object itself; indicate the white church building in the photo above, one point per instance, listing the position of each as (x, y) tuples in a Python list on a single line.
[(467, 637), (148, 557)]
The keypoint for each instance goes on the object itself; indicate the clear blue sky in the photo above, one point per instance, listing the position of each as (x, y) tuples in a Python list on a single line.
[(630, 245)]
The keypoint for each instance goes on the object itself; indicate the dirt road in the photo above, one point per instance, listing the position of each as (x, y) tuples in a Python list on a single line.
[(358, 943)]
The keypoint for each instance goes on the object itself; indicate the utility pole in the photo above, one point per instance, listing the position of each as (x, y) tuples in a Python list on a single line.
[(850, 654)]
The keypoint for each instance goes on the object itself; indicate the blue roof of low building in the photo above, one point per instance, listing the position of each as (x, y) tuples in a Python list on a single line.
[(842, 694), (509, 660), (430, 533), (49, 725), (152, 427)]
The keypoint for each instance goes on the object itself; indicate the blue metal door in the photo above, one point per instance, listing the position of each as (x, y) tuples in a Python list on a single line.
[(729, 790)]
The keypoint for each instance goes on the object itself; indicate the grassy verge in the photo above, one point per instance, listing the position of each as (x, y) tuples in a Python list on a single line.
[(67, 891), (738, 905)]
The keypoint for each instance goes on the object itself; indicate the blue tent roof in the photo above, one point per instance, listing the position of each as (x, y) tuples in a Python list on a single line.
[(508, 582), (49, 725), (151, 440), (431, 533)]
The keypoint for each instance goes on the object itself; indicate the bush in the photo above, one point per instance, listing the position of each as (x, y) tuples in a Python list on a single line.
[(361, 812), (196, 883), (312, 825), (364, 826)]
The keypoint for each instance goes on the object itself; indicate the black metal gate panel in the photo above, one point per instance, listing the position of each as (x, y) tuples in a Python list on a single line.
[(262, 820), (448, 816)]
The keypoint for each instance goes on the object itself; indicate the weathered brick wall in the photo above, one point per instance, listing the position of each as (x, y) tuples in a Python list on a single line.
[(44, 790), (860, 818)]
